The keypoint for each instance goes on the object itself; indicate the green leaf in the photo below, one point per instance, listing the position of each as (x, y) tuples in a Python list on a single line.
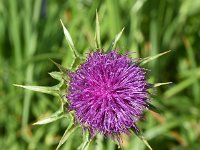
[(110, 144), (148, 59), (86, 141), (99, 142), (43, 89), (60, 67), (160, 84), (116, 39), (57, 75), (70, 129), (97, 35), (69, 40), (136, 144), (142, 139), (57, 115), (77, 61), (145, 142)]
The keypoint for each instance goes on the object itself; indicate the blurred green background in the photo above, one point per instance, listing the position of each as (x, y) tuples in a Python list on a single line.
[(30, 33)]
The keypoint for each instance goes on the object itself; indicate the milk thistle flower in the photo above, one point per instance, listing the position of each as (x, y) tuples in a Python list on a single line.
[(109, 93)]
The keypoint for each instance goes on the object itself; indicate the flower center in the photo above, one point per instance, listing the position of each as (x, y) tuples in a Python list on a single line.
[(104, 90)]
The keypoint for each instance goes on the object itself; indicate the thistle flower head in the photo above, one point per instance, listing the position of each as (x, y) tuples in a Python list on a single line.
[(109, 93)]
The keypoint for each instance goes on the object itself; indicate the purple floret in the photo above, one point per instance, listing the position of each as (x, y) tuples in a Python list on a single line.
[(109, 93)]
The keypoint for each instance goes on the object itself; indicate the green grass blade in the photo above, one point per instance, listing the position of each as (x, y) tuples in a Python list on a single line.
[(113, 17), (15, 39), (182, 85), (191, 56), (162, 128), (97, 34)]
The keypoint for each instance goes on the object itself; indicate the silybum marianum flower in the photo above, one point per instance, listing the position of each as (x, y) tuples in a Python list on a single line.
[(109, 93)]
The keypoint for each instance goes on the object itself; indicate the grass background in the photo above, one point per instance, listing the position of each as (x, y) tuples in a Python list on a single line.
[(30, 33)]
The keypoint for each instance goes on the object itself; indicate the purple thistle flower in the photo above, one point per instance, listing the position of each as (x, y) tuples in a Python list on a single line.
[(109, 93)]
